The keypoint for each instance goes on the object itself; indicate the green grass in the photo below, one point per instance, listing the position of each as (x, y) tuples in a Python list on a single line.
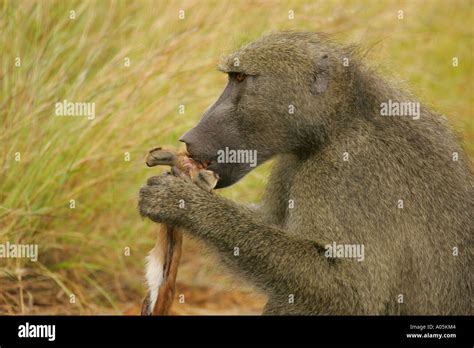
[(173, 62)]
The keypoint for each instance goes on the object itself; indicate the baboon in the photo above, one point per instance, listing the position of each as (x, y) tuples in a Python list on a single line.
[(343, 173)]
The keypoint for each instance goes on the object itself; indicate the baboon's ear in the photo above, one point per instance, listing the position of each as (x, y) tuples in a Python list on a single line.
[(320, 75)]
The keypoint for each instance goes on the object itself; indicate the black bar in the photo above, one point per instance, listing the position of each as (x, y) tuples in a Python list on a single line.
[(220, 330)]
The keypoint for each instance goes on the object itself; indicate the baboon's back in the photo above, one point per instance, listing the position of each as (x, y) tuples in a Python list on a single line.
[(405, 194)]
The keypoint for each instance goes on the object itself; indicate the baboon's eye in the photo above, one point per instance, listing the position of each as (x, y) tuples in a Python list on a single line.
[(240, 77)]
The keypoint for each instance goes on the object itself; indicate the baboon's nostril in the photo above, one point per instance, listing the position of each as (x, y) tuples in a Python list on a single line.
[(187, 138)]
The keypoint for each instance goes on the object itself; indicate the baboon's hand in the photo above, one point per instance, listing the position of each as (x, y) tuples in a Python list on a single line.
[(166, 199)]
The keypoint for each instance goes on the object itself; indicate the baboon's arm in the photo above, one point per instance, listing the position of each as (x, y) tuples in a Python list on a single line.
[(273, 259), (268, 256)]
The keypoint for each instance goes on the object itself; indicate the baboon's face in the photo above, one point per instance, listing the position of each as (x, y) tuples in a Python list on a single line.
[(262, 111), (243, 123)]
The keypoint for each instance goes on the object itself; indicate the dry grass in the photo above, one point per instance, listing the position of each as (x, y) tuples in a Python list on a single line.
[(82, 250)]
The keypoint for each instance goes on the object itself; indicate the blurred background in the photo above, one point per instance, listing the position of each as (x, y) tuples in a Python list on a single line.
[(139, 61)]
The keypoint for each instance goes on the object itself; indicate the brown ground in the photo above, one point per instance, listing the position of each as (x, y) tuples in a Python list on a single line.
[(208, 289)]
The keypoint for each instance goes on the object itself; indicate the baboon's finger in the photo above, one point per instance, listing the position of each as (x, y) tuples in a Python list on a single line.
[(205, 179)]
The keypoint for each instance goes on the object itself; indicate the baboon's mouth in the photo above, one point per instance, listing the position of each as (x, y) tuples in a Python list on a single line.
[(201, 163), (197, 163)]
